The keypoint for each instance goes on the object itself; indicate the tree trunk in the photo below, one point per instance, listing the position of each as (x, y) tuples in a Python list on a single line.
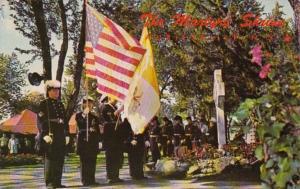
[(37, 7), (79, 67), (295, 4), (64, 45)]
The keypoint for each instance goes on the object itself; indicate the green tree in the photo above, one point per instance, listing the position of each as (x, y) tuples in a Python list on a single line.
[(188, 60), (12, 74)]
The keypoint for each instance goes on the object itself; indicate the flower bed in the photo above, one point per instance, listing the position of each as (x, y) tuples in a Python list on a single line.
[(207, 161), (19, 159)]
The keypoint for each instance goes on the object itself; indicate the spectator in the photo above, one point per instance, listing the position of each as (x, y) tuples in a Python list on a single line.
[(4, 144), (13, 145), (27, 146)]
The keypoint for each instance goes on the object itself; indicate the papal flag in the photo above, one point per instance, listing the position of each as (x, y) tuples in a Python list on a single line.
[(143, 101), (111, 55)]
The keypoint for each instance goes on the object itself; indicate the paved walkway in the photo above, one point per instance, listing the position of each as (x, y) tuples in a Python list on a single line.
[(24, 177)]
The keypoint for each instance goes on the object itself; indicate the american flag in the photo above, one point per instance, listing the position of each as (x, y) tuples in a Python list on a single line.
[(111, 55)]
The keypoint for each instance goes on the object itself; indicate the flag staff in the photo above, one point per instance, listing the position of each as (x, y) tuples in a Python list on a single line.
[(87, 89)]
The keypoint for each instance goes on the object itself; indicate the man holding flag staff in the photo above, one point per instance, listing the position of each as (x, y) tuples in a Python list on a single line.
[(88, 138), (112, 140)]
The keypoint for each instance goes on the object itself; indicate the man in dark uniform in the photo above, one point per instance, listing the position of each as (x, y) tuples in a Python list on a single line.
[(166, 137), (191, 133), (88, 138), (154, 135), (178, 131), (135, 144), (54, 134), (212, 137), (112, 141)]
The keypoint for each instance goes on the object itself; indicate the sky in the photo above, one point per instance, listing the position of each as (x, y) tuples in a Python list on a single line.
[(11, 38)]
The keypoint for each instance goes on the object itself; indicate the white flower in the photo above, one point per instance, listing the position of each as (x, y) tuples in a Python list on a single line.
[(268, 105), (273, 118)]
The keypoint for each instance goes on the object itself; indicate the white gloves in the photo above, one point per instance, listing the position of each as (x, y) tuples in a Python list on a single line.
[(67, 140), (147, 143), (159, 145), (133, 142), (100, 145), (47, 139)]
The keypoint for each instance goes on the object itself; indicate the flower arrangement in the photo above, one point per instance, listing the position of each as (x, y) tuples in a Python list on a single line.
[(19, 159)]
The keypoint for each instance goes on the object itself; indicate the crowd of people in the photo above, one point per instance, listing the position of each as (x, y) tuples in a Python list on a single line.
[(107, 131), (15, 145)]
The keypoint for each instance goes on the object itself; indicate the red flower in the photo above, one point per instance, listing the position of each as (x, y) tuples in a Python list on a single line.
[(265, 70), (268, 54), (256, 55), (287, 38)]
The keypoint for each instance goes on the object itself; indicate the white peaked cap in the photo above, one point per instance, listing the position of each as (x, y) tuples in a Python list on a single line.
[(52, 84)]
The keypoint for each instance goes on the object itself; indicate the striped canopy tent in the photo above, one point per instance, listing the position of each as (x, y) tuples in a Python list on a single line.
[(24, 123)]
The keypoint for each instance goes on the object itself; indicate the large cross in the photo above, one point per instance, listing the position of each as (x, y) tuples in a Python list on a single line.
[(219, 97)]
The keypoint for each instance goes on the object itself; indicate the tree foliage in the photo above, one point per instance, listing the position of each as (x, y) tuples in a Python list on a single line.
[(276, 115), (186, 61), (12, 74)]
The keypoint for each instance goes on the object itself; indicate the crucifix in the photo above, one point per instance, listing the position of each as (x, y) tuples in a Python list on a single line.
[(219, 98)]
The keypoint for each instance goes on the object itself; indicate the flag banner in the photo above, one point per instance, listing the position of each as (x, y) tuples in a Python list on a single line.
[(111, 55), (143, 101)]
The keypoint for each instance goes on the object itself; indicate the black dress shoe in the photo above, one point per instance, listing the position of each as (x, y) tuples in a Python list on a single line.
[(94, 183), (143, 178), (85, 184), (119, 180), (113, 181), (140, 178), (60, 186)]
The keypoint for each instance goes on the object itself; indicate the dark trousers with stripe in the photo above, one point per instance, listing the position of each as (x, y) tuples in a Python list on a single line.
[(136, 161), (88, 168), (114, 159), (53, 169)]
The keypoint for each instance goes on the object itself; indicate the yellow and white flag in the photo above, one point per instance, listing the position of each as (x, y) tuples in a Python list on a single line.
[(143, 102)]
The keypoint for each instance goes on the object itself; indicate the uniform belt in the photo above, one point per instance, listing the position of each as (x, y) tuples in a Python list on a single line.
[(165, 135), (177, 134), (188, 134), (82, 130), (153, 136), (57, 120)]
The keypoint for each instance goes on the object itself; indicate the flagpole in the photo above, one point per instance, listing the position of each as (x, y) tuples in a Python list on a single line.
[(87, 91)]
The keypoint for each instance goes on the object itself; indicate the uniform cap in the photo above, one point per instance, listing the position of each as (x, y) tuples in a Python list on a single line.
[(177, 117), (89, 98), (52, 84)]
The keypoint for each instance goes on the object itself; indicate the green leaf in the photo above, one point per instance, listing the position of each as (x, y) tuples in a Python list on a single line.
[(285, 164), (281, 179), (269, 163), (263, 172), (261, 131), (288, 150), (245, 109), (276, 129), (295, 118), (259, 152)]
